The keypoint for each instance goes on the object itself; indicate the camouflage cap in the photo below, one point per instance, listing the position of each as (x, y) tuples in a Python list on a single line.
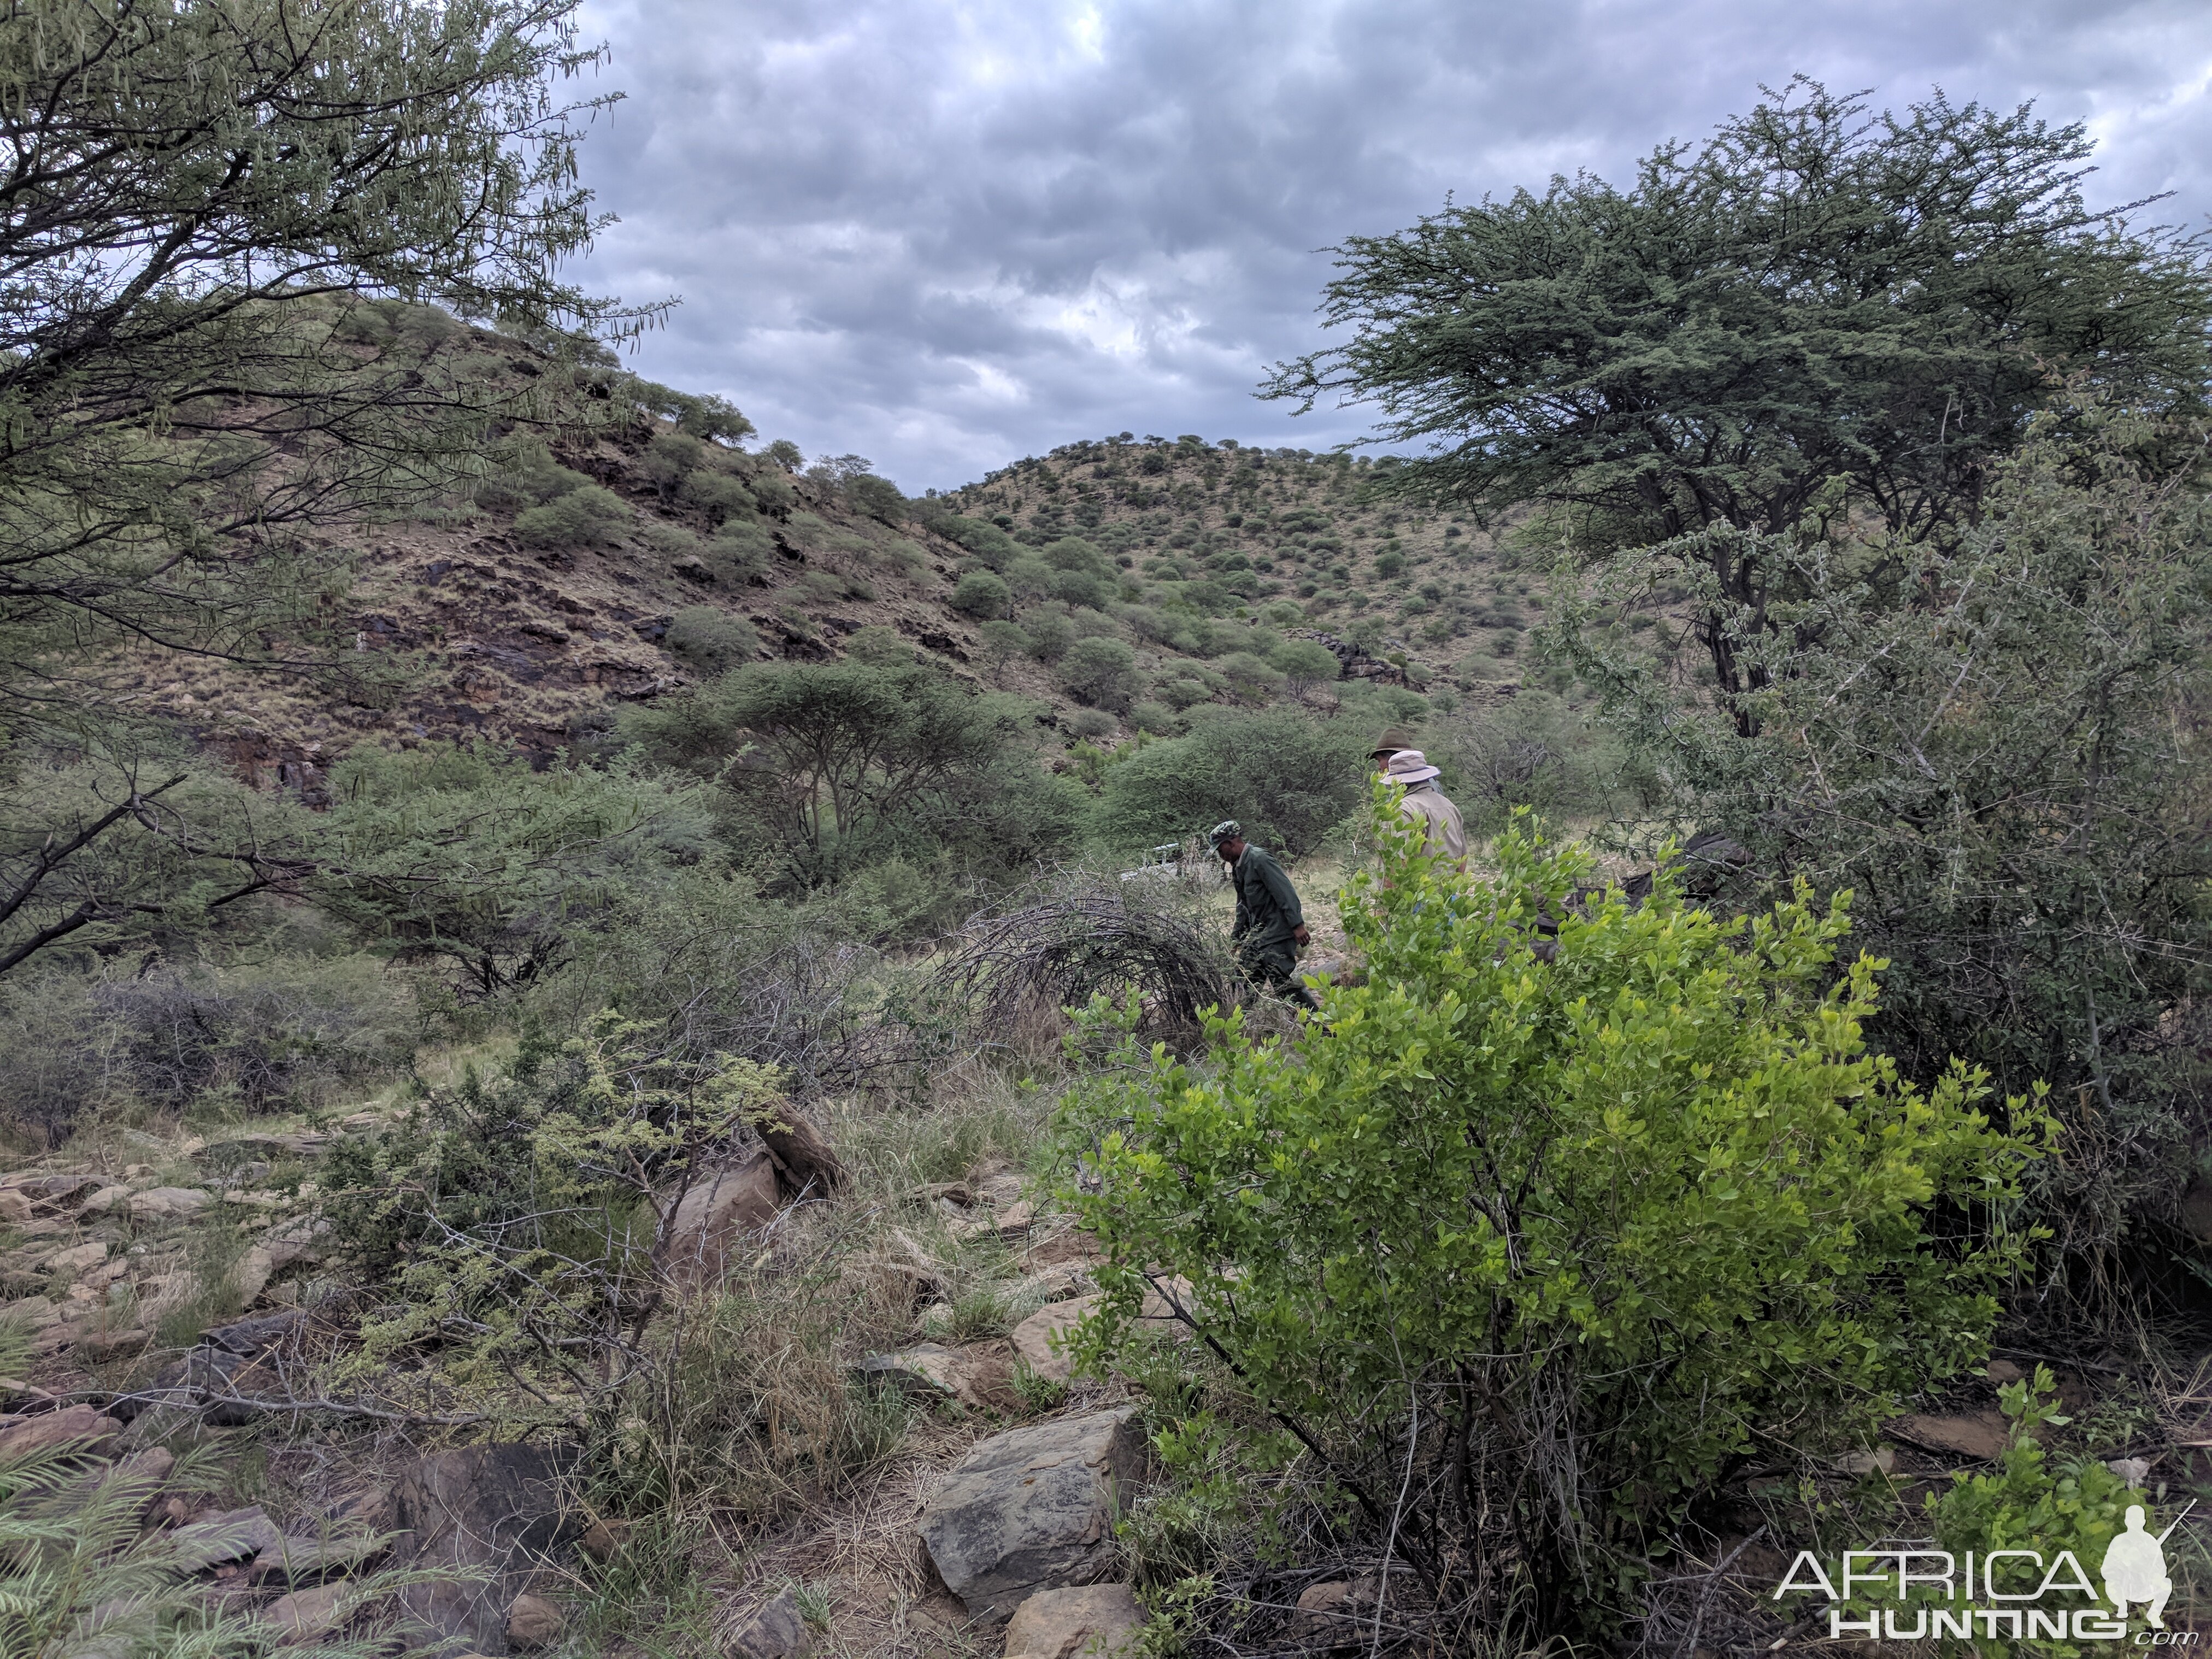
[(1393, 739), (1227, 829)]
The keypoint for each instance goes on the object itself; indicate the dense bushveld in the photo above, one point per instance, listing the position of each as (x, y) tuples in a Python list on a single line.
[(455, 795)]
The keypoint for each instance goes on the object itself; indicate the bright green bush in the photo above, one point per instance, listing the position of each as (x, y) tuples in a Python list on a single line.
[(670, 457), (1050, 633), (1306, 664), (740, 551), (1288, 777), (981, 594), (1252, 678), (587, 516), (1551, 1244), (723, 496)]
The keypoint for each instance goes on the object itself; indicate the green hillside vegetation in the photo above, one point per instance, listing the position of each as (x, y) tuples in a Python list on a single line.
[(536, 923)]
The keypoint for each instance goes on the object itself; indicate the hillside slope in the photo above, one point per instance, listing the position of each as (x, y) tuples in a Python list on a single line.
[(507, 616)]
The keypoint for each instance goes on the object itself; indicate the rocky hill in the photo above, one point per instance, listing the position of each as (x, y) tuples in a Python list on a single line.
[(530, 611)]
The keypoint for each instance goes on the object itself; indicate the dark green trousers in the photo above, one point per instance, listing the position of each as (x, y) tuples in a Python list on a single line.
[(1275, 967)]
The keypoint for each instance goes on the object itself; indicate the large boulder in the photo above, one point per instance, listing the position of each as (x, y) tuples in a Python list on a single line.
[(1094, 1621), (1032, 1510), (719, 1207), (497, 1510)]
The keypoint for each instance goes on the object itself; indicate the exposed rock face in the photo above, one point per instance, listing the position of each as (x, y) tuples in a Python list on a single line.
[(1031, 1510), (495, 1508), (721, 1206), (1095, 1619)]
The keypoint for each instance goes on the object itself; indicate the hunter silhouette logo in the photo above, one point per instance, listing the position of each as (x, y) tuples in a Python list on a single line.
[(2013, 1592), (2134, 1568)]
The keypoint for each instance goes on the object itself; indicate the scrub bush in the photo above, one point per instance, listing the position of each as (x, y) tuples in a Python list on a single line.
[(1548, 1247)]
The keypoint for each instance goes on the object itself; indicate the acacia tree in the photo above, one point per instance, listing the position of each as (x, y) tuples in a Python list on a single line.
[(192, 196), (1820, 318)]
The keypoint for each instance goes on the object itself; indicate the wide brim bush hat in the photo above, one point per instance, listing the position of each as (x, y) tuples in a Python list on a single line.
[(1227, 829), (1392, 740), (1410, 766)]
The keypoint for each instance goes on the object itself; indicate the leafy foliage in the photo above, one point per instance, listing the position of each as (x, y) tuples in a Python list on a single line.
[(1288, 777), (1563, 1239), (1999, 756), (1820, 315), (839, 766)]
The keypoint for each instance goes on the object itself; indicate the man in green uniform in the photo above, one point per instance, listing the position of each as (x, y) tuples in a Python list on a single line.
[(1270, 923)]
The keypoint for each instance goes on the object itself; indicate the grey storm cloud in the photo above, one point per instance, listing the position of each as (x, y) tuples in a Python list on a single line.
[(946, 235)]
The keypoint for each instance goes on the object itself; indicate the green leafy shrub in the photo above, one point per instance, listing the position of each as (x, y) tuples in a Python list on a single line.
[(1102, 671), (1002, 640), (534, 478), (1156, 719), (712, 641), (1919, 748), (1551, 1243), (669, 458), (1252, 678), (1306, 664), (1288, 777), (723, 497), (587, 516), (741, 552), (1050, 633), (849, 763), (981, 594)]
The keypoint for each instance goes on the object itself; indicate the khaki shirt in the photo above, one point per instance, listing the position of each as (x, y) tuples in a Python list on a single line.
[(1443, 833)]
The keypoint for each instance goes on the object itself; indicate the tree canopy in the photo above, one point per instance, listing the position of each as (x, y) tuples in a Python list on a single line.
[(1821, 317)]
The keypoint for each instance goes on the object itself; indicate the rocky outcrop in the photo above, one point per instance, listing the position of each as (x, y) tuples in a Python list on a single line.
[(1032, 1510)]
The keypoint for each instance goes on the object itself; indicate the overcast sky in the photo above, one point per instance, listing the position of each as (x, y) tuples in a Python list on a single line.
[(946, 235)]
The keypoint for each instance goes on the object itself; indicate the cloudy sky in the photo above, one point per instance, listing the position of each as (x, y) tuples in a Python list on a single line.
[(946, 234)]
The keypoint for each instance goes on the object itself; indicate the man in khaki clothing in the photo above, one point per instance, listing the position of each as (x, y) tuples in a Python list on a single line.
[(1443, 832)]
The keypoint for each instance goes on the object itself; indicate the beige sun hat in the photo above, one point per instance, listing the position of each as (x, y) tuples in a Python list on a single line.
[(1409, 766)]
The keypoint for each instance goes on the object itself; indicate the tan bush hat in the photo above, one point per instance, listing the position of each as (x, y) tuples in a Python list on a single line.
[(1409, 766)]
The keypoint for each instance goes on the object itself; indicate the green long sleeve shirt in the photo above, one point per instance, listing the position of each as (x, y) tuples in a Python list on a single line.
[(1268, 910)]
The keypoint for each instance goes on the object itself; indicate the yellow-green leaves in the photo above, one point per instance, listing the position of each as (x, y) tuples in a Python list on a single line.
[(1626, 1210)]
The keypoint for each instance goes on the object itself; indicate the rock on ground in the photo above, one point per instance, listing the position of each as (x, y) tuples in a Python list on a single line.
[(166, 1203), (533, 1622), (776, 1632), (1031, 1510), (1061, 1624), (21, 1437), (305, 1615), (1977, 1435), (721, 1206), (496, 1508)]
